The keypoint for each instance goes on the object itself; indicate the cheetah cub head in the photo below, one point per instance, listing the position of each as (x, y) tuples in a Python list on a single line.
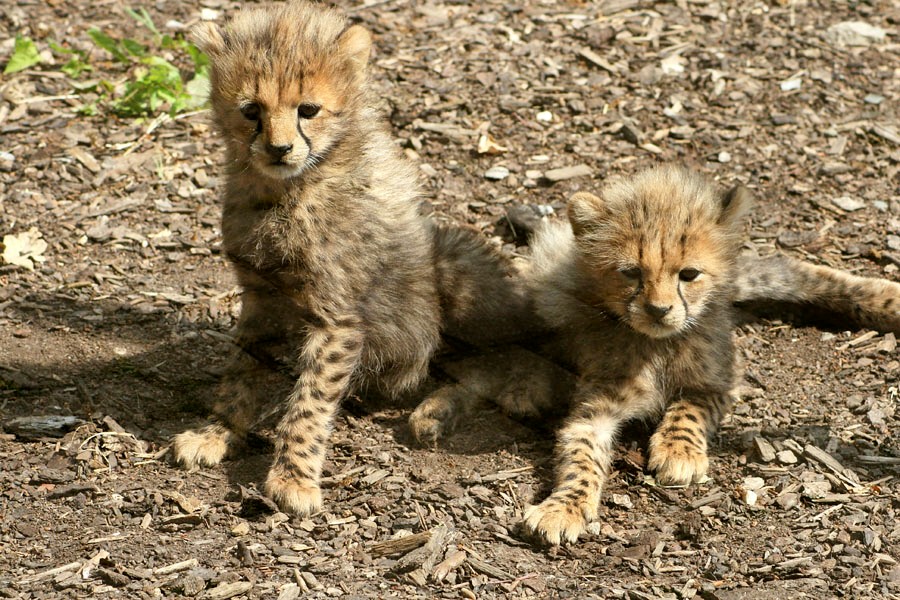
[(658, 249), (287, 85)]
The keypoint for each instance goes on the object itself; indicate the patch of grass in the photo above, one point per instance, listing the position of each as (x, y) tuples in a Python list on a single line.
[(152, 84)]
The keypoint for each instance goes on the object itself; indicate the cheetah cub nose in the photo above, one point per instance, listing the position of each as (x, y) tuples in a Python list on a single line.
[(279, 151), (658, 312)]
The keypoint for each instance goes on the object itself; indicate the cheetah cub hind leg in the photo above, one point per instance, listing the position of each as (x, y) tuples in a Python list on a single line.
[(205, 447), (521, 383)]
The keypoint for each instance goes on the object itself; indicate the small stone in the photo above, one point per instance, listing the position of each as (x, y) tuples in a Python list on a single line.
[(544, 116), (834, 168), (873, 99), (816, 489), (567, 173), (682, 132), (724, 157), (208, 14), (854, 33), (749, 497), (534, 174), (242, 528), (764, 449), (779, 119), (623, 500), (497, 173), (787, 500), (753, 483), (888, 344), (847, 203), (786, 457)]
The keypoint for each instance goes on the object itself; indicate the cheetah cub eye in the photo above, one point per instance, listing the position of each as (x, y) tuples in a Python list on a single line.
[(688, 274)]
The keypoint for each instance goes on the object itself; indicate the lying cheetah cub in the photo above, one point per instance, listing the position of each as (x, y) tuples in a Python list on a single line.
[(640, 287), (320, 222)]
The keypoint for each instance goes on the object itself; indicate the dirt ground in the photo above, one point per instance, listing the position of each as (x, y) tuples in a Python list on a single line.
[(125, 325)]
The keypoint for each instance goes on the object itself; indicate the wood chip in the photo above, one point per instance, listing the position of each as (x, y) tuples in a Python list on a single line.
[(176, 567), (487, 569), (597, 60), (82, 156), (449, 564), (564, 173), (400, 545), (223, 591)]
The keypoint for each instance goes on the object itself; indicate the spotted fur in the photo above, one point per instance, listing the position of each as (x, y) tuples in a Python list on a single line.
[(339, 270), (640, 286)]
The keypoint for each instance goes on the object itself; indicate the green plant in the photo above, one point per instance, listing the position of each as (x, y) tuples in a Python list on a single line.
[(154, 82), (76, 65), (25, 54)]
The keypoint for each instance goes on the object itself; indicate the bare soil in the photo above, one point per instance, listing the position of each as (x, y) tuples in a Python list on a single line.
[(125, 325)]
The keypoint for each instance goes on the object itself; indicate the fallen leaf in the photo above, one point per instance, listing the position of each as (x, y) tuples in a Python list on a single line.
[(24, 249), (488, 145)]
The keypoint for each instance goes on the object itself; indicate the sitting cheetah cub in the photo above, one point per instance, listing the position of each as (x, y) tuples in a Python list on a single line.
[(320, 223), (640, 288)]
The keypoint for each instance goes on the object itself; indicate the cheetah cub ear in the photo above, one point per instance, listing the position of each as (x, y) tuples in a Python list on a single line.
[(209, 38), (736, 203), (585, 211), (356, 43)]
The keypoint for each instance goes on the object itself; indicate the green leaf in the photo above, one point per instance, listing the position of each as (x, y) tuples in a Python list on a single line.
[(25, 54), (75, 67), (133, 48), (201, 61), (143, 17), (109, 44)]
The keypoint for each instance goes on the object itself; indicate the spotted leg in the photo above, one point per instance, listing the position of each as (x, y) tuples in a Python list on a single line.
[(329, 359)]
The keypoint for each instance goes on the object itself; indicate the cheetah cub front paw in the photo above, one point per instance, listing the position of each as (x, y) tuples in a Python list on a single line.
[(556, 520), (676, 462), (292, 495)]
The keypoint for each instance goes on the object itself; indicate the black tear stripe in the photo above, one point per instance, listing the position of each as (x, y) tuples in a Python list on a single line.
[(683, 301), (303, 135)]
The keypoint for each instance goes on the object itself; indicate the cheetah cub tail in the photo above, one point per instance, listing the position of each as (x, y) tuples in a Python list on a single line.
[(869, 301)]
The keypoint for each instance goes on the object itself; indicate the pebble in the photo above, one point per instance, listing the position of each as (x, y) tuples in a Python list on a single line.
[(816, 489), (544, 116), (787, 500), (6, 161), (753, 483), (847, 203), (786, 457), (724, 157), (623, 500), (428, 170), (764, 449), (854, 33), (497, 173)]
